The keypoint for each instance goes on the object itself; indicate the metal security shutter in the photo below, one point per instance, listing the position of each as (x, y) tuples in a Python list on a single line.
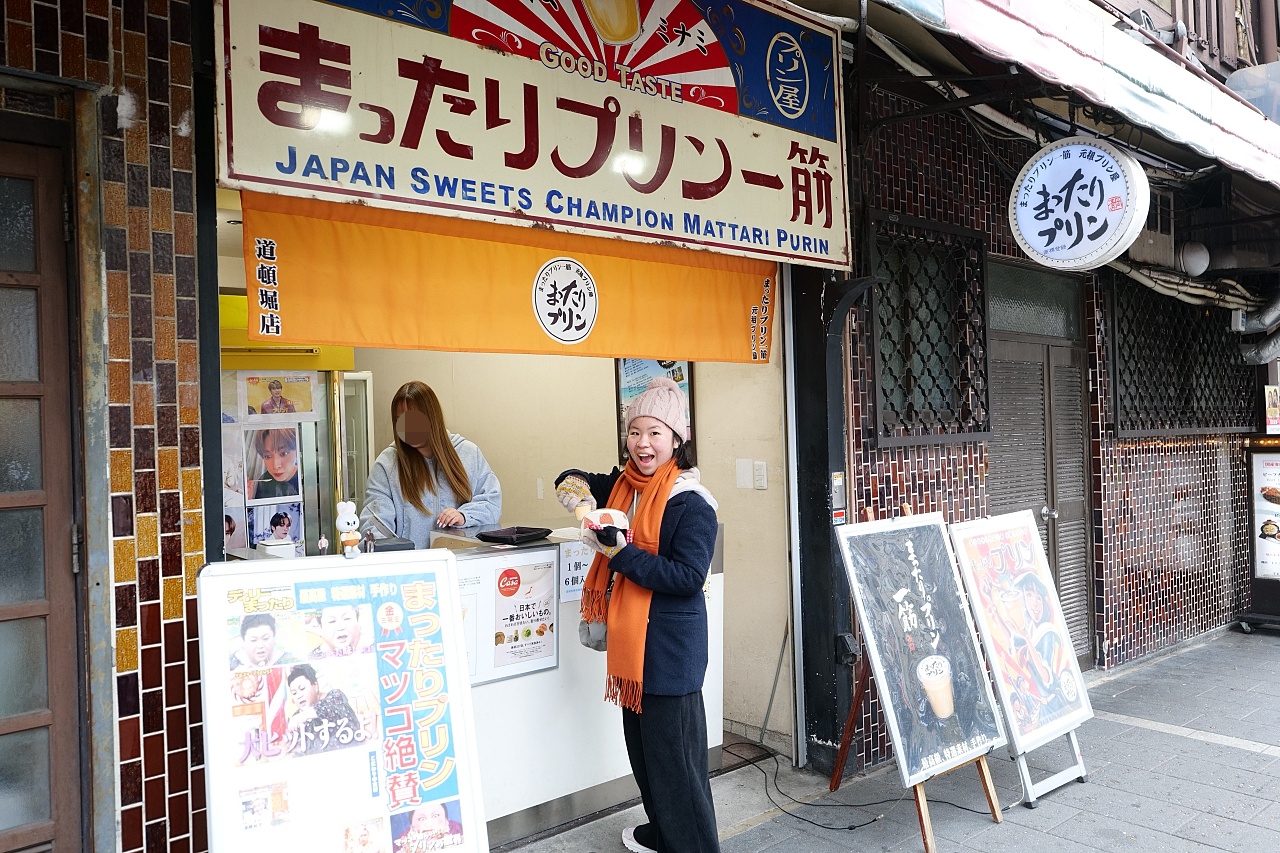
[(1070, 476), (1017, 458)]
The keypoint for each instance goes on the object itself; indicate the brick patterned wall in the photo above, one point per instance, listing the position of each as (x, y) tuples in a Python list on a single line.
[(1171, 524), (1170, 515), (139, 52), (933, 168)]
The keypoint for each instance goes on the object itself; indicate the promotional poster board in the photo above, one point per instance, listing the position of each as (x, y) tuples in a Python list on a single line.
[(337, 708), (920, 639), (1020, 621), (1265, 502), (633, 375), (712, 126), (509, 612)]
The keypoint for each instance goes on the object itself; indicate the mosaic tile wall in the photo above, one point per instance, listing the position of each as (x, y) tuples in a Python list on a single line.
[(140, 49), (1171, 525), (932, 168)]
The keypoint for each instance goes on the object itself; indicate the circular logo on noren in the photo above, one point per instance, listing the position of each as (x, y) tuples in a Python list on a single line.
[(565, 300), (788, 75)]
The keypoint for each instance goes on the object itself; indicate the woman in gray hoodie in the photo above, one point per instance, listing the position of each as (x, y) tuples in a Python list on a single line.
[(428, 477)]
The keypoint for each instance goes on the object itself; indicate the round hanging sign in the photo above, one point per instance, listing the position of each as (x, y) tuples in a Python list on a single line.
[(1079, 204)]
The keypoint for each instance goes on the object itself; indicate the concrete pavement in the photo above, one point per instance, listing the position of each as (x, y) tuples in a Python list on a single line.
[(1182, 757)]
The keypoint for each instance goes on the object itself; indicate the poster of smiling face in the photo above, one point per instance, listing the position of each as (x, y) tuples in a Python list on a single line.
[(920, 640), (1020, 619)]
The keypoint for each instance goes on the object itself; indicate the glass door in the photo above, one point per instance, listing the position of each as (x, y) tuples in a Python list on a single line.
[(39, 708), (357, 433)]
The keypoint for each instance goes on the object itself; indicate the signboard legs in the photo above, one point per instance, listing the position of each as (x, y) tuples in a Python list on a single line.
[(1033, 790), (922, 805)]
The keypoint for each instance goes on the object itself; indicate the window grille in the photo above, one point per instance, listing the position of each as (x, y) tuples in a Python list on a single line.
[(1176, 368), (929, 328)]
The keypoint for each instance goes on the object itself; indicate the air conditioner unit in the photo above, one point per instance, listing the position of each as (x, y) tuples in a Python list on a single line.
[(1155, 243)]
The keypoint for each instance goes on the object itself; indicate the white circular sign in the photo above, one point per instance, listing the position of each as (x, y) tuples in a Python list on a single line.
[(1079, 204), (565, 300)]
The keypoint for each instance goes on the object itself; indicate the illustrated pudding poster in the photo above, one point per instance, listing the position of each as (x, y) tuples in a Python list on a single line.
[(1265, 529), (1020, 619), (920, 640), (337, 707)]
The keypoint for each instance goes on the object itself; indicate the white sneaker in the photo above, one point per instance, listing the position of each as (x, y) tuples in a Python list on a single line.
[(629, 840)]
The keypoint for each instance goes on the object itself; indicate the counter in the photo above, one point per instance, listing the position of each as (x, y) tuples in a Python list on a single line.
[(550, 747)]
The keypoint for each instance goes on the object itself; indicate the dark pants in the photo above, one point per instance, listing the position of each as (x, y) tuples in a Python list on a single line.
[(667, 746)]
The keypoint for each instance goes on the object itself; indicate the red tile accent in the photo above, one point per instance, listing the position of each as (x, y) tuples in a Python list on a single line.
[(153, 755), (130, 739), (131, 829)]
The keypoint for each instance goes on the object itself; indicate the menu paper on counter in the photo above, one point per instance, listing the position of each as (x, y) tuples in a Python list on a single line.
[(575, 562), (1265, 501), (337, 707), (509, 612)]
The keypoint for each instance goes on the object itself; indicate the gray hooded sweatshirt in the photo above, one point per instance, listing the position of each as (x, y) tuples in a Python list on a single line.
[(384, 499)]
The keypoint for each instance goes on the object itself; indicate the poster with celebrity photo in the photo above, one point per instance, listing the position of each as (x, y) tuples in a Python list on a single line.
[(431, 826), (317, 676), (235, 528), (233, 478), (276, 523), (279, 396), (931, 678), (271, 464)]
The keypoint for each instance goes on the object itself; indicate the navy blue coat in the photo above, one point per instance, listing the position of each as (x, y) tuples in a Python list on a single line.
[(675, 651)]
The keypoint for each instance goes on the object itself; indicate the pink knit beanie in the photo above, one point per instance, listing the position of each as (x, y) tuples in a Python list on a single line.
[(664, 400)]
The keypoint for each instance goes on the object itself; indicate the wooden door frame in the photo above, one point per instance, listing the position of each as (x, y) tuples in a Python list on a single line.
[(47, 165), (1088, 658)]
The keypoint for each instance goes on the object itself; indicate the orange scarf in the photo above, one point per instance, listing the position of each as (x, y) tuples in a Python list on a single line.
[(627, 610)]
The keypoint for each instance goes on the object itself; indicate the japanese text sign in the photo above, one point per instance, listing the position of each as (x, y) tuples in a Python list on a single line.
[(921, 643), (337, 707), (1020, 620), (670, 121), (1079, 204)]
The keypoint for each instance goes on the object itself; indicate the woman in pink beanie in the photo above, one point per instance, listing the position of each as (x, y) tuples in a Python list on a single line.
[(649, 595)]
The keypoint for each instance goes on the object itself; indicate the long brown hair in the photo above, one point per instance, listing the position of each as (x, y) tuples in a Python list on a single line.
[(416, 475)]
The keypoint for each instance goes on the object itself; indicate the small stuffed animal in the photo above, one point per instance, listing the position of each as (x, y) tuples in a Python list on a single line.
[(348, 523)]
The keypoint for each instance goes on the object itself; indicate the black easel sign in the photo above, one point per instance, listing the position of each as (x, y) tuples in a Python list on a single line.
[(922, 645)]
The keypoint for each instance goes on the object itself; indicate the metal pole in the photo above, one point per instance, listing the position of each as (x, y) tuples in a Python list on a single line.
[(768, 709), (1267, 36)]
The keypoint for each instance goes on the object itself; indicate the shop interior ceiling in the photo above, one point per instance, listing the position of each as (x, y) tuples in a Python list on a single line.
[(1235, 217), (230, 244)]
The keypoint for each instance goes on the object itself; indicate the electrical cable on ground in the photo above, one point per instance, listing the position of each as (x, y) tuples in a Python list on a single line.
[(893, 803)]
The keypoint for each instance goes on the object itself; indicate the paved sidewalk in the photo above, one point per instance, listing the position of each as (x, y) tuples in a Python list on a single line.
[(1182, 756)]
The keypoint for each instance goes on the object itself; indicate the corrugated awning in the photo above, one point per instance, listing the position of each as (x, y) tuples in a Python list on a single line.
[(1070, 44)]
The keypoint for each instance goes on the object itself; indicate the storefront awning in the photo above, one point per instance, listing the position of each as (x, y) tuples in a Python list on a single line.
[(1070, 43), (326, 273)]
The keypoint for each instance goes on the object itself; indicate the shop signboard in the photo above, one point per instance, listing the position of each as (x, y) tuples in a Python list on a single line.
[(1020, 621), (1079, 204), (1265, 502), (920, 640), (709, 125), (337, 710), (509, 612)]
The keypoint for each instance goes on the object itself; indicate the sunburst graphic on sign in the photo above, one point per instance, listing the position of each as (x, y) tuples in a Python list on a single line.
[(669, 40)]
